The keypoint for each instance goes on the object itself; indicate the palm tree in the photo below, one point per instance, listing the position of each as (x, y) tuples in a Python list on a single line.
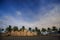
[(36, 29), (9, 29), (43, 30), (23, 28), (33, 30), (54, 29), (29, 29), (49, 29), (2, 29), (38, 32), (15, 28)]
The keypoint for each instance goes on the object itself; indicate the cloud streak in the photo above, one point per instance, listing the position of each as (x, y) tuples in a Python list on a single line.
[(44, 14), (51, 18)]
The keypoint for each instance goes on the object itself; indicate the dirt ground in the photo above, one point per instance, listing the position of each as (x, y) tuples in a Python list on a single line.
[(31, 38)]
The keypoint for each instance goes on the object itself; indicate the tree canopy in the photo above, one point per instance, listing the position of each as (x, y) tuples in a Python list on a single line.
[(8, 29), (43, 30), (54, 28), (15, 28)]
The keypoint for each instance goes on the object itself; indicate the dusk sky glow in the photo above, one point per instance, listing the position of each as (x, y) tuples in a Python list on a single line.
[(30, 13)]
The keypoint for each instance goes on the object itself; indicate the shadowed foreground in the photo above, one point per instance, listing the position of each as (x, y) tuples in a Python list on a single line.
[(31, 38)]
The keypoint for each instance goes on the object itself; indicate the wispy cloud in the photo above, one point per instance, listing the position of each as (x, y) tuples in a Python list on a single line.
[(18, 13), (51, 18), (41, 13)]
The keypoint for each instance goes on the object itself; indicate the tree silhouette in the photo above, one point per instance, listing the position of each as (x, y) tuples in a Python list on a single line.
[(29, 29), (33, 30), (43, 30), (2, 29), (36, 29), (38, 32), (23, 28), (9, 29), (59, 30), (15, 28), (49, 29), (54, 28)]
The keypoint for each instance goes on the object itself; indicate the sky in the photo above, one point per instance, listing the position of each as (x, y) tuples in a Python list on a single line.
[(30, 13)]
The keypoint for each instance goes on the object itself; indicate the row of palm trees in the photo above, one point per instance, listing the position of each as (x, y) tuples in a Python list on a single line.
[(15, 28)]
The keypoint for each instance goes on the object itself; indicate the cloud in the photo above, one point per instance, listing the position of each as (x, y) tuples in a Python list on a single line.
[(18, 13), (50, 18), (10, 20)]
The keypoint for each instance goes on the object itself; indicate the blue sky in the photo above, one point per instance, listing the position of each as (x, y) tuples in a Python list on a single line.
[(30, 13)]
